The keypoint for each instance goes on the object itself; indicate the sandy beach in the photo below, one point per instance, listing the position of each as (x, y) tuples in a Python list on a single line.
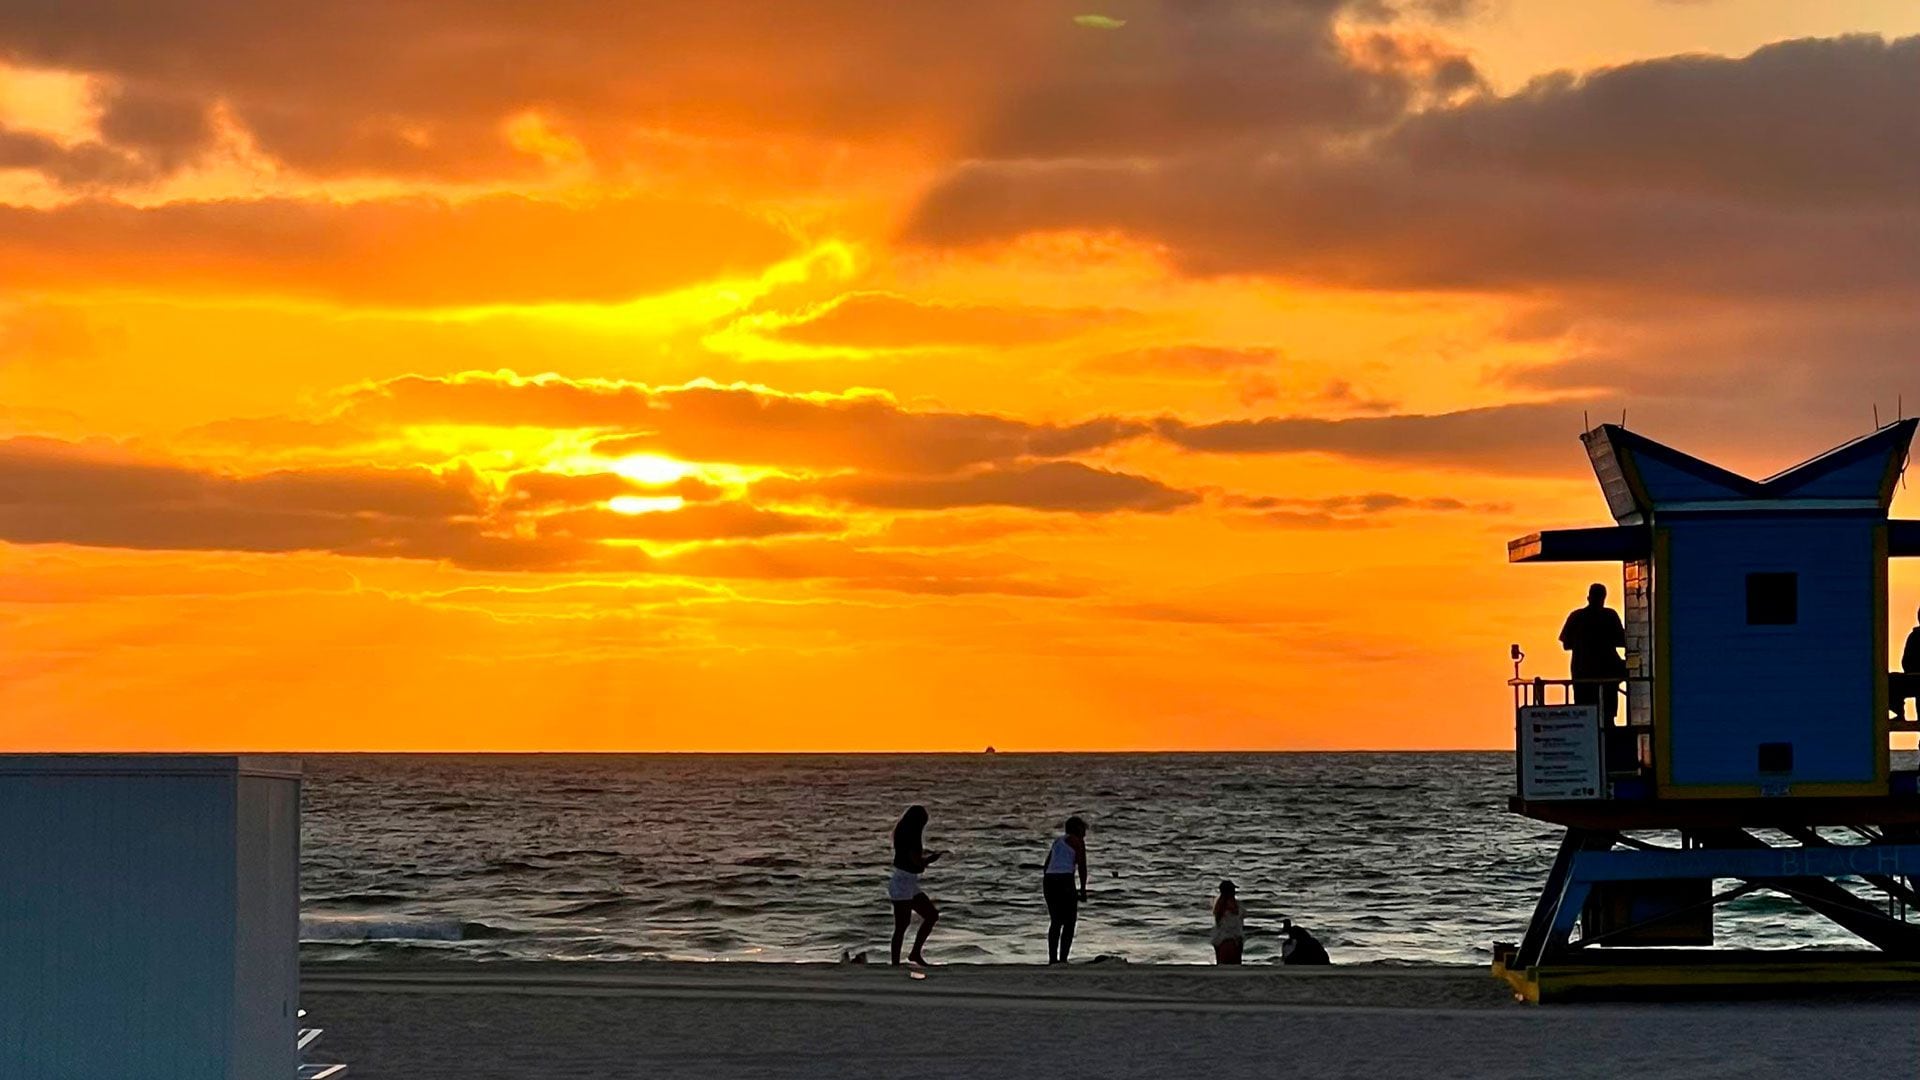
[(533, 1021)]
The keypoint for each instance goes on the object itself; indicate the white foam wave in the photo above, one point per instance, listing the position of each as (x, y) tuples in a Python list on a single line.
[(378, 928)]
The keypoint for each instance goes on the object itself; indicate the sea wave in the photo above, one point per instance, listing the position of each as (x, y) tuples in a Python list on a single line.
[(1387, 858), (334, 929)]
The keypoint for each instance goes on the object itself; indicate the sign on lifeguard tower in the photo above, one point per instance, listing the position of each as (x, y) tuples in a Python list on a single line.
[(1560, 752), (1752, 751)]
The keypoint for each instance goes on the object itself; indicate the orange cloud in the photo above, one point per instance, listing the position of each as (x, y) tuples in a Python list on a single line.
[(389, 253), (709, 521), (733, 423), (886, 321), (1048, 485)]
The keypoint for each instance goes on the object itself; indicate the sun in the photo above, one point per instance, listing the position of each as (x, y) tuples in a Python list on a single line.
[(645, 504), (651, 469)]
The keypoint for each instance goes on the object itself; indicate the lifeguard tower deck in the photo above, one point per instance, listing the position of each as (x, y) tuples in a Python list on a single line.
[(1752, 752)]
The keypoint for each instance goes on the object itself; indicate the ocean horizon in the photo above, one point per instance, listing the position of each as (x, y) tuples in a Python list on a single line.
[(1387, 856)]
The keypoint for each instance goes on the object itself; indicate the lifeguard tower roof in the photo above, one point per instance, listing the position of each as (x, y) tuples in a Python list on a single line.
[(1642, 479)]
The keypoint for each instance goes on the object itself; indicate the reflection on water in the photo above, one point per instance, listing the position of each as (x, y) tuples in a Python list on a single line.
[(1387, 857)]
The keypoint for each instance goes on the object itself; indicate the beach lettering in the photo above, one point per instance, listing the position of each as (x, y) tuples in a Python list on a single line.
[(1839, 861)]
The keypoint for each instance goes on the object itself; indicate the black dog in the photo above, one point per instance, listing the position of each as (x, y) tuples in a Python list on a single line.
[(1299, 947)]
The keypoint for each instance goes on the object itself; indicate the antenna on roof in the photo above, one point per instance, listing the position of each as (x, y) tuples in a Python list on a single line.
[(1876, 416), (1623, 417), (1585, 424)]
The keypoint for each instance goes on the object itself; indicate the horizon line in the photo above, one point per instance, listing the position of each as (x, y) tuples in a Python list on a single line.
[(995, 752)]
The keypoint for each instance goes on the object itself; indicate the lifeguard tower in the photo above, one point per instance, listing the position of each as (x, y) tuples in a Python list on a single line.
[(1753, 749)]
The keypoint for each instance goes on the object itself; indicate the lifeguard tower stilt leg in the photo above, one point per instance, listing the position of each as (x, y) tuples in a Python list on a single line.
[(1753, 752), (1597, 874)]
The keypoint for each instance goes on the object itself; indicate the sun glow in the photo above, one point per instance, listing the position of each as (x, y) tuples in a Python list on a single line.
[(645, 504), (652, 469)]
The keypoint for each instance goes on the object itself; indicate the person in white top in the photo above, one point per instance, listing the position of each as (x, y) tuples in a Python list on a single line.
[(1067, 855), (1229, 931), (910, 858)]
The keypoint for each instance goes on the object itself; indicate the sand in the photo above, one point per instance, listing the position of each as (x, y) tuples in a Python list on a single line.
[(666, 1020)]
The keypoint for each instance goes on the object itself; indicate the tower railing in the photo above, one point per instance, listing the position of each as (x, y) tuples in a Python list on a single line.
[(1538, 691), (1626, 749)]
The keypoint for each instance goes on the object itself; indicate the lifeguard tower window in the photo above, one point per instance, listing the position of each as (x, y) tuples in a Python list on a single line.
[(1773, 599), (1776, 757)]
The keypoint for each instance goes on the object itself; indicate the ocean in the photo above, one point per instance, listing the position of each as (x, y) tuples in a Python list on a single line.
[(1386, 857)]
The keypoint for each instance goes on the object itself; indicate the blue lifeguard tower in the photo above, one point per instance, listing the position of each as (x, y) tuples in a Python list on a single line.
[(1753, 749)]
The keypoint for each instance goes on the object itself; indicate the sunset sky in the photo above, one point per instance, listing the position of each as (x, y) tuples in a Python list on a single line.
[(886, 374)]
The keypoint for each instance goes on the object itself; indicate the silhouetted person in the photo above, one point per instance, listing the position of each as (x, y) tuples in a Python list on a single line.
[(1067, 855), (1299, 948), (910, 858), (1907, 684), (1593, 635), (1229, 930)]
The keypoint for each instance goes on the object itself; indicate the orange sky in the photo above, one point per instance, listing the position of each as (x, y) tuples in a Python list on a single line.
[(894, 376)]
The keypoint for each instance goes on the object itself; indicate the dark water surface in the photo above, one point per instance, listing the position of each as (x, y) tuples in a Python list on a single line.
[(1406, 857)]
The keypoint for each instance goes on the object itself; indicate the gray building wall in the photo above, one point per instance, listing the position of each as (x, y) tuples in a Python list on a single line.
[(148, 919)]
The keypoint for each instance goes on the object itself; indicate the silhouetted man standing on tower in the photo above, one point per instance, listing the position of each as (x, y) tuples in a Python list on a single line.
[(1907, 684), (1594, 636)]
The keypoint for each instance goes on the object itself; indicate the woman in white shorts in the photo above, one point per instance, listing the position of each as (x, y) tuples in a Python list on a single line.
[(910, 858)]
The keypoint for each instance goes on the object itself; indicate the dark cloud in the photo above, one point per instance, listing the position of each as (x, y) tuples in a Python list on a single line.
[(84, 164), (1065, 486), (1373, 502), (946, 529), (1821, 122), (536, 489), (400, 252), (1788, 173), (361, 86), (1181, 74), (97, 495), (165, 128), (1383, 223), (140, 136), (1344, 511), (54, 492), (1342, 393), (961, 456), (1760, 382), (1499, 438)]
